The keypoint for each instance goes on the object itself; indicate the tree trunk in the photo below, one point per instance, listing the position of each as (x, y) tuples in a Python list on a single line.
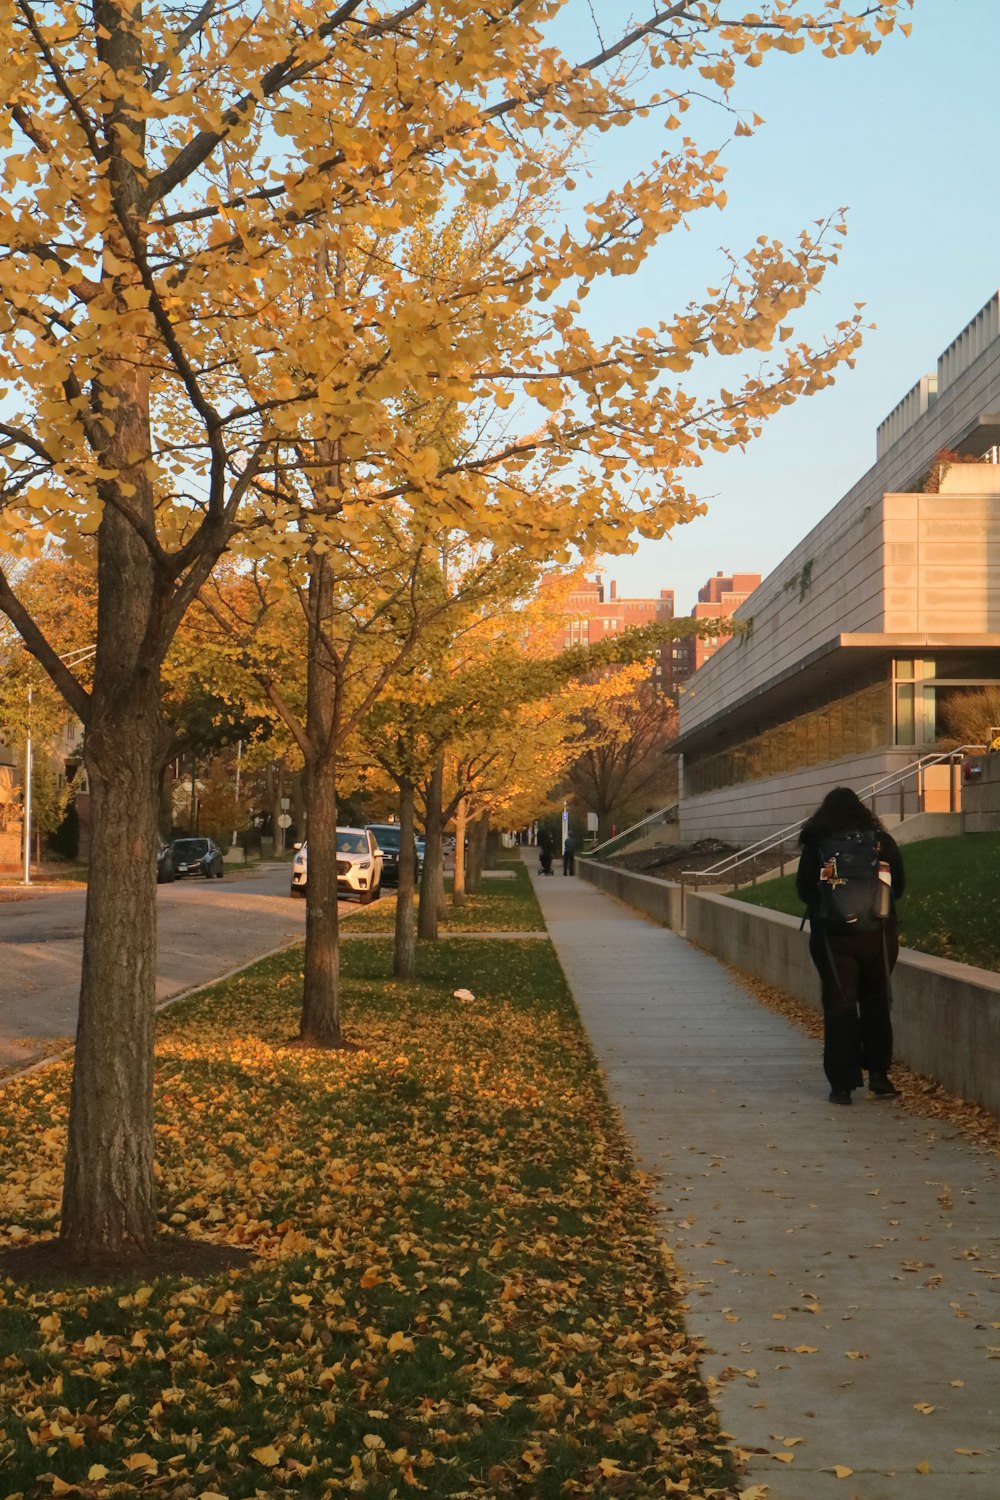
[(109, 1195), (478, 830), (431, 877), (404, 956), (458, 885), (320, 1022)]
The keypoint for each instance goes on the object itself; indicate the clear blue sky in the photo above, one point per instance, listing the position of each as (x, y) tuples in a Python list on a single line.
[(906, 140)]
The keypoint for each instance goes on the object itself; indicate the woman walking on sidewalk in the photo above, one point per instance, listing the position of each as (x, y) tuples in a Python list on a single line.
[(850, 877)]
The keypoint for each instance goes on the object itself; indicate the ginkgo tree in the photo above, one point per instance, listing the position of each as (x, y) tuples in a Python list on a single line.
[(500, 696), (167, 173)]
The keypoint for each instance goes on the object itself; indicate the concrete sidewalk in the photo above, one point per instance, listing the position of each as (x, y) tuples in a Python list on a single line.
[(842, 1265)]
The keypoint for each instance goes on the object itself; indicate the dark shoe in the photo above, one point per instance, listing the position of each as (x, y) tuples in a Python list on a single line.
[(840, 1096), (882, 1086)]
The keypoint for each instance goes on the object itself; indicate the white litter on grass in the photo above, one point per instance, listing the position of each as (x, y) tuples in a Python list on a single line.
[(465, 995)]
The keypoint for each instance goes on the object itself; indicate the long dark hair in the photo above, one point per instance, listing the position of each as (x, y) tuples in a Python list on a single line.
[(841, 811)]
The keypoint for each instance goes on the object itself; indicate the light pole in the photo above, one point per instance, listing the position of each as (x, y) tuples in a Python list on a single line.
[(72, 659), (28, 758), (239, 767)]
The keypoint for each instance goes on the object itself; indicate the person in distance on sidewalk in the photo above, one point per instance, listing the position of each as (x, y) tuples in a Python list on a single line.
[(846, 857)]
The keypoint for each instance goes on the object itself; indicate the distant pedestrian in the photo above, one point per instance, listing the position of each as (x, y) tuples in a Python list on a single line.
[(544, 852), (569, 856), (850, 877)]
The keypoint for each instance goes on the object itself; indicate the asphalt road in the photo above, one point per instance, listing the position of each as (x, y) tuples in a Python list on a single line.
[(205, 929)]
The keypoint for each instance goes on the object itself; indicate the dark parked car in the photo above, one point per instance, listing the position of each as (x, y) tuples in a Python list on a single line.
[(164, 864), (387, 836), (197, 856)]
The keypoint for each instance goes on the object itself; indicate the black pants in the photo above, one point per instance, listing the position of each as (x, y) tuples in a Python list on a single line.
[(857, 1029), (569, 864)]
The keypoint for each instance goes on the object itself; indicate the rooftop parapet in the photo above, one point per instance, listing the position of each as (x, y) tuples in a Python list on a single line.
[(963, 351)]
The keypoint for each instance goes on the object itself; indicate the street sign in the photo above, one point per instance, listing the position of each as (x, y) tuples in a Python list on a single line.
[(284, 821)]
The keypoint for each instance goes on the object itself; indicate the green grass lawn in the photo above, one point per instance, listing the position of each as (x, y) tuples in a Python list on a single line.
[(952, 902), (460, 1288), (498, 906)]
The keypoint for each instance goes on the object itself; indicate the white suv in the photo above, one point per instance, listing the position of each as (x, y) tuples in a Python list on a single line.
[(359, 865)]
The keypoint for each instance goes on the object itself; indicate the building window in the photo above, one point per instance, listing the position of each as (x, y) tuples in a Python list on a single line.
[(859, 719), (914, 702)]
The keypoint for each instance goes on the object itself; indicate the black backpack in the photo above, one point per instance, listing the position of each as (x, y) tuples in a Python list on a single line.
[(849, 895)]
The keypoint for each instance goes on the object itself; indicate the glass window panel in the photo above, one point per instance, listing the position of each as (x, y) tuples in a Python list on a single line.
[(927, 725), (952, 666), (812, 751), (905, 727), (902, 669), (881, 715), (755, 759), (850, 720), (863, 718), (836, 731)]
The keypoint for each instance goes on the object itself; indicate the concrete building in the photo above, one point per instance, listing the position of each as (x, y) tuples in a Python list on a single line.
[(857, 639)]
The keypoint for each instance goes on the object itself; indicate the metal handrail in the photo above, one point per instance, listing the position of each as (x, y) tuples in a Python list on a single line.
[(870, 793), (651, 820)]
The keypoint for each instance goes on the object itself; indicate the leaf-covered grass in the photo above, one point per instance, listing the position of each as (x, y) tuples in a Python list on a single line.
[(952, 902), (460, 1289), (498, 906)]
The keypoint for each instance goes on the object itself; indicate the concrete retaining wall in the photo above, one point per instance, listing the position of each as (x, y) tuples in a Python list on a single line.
[(946, 1018), (981, 798), (659, 899)]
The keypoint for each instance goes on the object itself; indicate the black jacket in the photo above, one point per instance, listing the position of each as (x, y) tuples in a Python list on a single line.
[(807, 878)]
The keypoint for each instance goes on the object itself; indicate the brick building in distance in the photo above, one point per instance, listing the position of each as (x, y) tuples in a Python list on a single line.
[(595, 610), (717, 599)]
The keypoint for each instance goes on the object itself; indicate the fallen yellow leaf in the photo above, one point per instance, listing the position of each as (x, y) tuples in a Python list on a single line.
[(841, 1471), (268, 1456), (144, 1461), (923, 1467)]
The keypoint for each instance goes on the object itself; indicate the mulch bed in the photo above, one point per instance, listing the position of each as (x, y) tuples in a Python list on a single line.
[(49, 1263)]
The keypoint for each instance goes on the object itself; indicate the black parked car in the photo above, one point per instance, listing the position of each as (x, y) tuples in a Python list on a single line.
[(387, 836), (196, 856), (164, 864)]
